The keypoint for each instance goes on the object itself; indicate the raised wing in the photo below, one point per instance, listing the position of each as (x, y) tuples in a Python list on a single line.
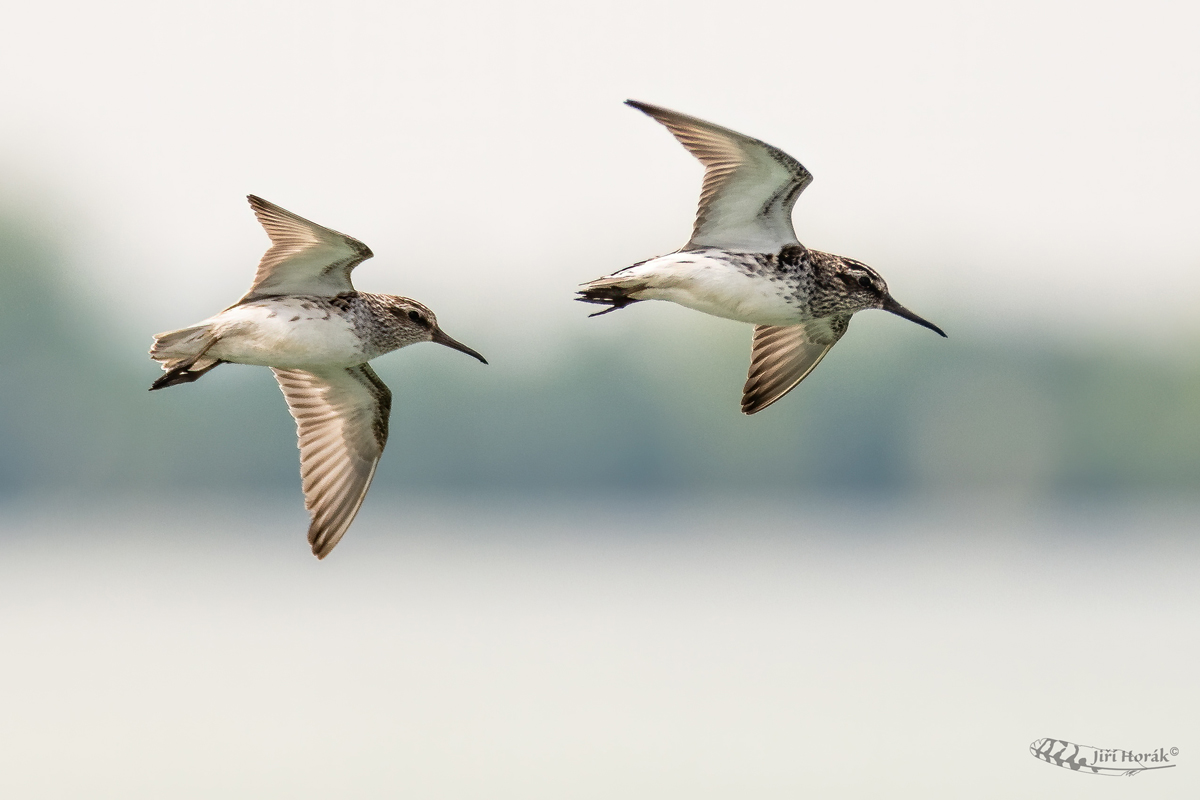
[(304, 258), (342, 422), (782, 356), (749, 186)]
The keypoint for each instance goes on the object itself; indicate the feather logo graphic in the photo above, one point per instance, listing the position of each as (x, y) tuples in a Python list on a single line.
[(1099, 760)]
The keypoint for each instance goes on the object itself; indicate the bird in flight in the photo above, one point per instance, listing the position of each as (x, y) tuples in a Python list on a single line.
[(745, 263), (303, 318)]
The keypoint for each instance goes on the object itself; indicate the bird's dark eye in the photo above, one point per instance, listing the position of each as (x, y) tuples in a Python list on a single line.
[(864, 281), (416, 317)]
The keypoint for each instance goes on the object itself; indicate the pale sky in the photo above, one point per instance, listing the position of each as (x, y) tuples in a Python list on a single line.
[(1011, 168)]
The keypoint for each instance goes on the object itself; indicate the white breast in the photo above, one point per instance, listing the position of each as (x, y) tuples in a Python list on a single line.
[(712, 284), (286, 332)]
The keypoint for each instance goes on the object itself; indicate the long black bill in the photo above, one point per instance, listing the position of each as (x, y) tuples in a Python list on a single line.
[(442, 338), (889, 304)]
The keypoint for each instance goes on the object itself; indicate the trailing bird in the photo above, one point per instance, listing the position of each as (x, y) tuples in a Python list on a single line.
[(303, 318)]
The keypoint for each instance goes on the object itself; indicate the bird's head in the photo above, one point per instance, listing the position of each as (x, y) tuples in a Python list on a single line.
[(859, 287), (416, 323)]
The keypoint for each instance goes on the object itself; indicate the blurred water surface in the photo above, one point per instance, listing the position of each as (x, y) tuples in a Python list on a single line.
[(192, 647)]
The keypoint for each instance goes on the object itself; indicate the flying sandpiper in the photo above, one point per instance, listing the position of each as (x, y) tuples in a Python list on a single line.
[(304, 320)]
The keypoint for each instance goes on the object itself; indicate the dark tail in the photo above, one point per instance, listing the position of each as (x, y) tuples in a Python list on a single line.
[(182, 374), (612, 296)]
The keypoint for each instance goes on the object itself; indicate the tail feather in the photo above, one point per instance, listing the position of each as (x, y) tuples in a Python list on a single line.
[(181, 354), (181, 344), (612, 293)]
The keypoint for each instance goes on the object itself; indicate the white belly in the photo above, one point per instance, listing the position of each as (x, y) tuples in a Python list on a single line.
[(281, 332), (715, 287)]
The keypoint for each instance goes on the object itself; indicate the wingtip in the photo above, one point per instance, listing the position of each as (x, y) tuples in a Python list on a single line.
[(754, 403), (261, 204), (320, 540), (752, 407), (321, 547)]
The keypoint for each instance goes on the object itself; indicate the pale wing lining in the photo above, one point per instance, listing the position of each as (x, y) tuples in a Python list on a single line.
[(749, 186), (782, 356), (341, 421), (305, 258)]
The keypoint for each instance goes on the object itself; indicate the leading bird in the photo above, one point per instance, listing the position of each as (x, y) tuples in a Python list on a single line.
[(745, 263), (304, 320)]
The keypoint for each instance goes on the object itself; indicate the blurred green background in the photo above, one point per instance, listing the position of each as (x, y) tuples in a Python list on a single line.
[(645, 400)]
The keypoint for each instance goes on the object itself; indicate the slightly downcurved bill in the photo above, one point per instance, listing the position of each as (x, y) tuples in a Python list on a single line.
[(890, 304), (442, 338)]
